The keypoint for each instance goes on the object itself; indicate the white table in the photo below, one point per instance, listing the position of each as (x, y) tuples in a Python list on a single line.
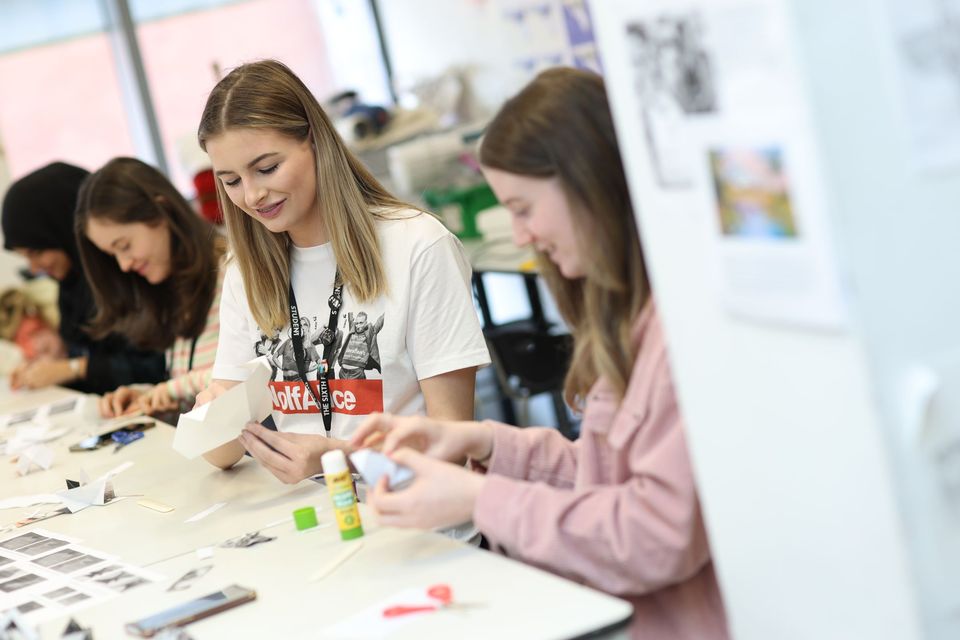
[(518, 601)]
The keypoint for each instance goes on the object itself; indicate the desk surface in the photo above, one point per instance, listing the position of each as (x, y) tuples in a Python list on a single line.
[(518, 600)]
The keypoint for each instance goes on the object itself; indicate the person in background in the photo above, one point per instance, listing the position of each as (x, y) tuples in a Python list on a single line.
[(316, 237), (618, 509), (37, 222), (156, 269)]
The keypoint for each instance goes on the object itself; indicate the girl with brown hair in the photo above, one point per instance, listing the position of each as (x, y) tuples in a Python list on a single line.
[(617, 509), (318, 242), (155, 268)]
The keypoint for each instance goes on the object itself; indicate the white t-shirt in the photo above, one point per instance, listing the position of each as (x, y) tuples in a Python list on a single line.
[(425, 325)]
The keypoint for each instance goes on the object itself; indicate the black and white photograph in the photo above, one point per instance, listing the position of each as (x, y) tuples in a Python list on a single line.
[(81, 562), (57, 557), (26, 580), (56, 594), (9, 572), (102, 572), (23, 416), (77, 597), (43, 546), (116, 580), (926, 39), (62, 407), (27, 607), (5, 560), (21, 541), (674, 77)]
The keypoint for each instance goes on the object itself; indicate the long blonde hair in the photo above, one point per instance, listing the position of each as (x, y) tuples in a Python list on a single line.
[(267, 95), (560, 126)]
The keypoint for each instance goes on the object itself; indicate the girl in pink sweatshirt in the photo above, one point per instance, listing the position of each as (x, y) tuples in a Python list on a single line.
[(617, 509)]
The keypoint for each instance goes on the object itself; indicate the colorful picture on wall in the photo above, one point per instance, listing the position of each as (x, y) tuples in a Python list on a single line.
[(752, 191)]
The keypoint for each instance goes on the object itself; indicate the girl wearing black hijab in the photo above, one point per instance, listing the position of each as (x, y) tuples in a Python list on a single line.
[(38, 224)]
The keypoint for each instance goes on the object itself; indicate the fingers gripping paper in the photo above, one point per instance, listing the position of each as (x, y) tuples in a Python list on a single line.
[(220, 421)]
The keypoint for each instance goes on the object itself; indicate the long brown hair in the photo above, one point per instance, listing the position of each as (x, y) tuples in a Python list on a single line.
[(560, 126), (126, 191), (266, 95)]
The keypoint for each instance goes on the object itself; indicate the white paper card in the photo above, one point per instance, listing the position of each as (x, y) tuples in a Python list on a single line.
[(220, 421), (373, 465)]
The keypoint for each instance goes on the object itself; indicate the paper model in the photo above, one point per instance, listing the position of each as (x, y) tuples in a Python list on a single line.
[(38, 456), (81, 495), (220, 421), (29, 435), (99, 492), (373, 465)]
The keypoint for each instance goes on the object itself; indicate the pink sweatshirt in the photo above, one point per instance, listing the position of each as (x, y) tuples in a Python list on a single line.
[(617, 509)]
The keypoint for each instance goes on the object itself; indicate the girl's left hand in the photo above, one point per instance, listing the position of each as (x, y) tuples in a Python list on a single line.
[(442, 494), (291, 457)]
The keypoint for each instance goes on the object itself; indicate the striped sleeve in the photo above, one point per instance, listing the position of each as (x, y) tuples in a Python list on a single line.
[(186, 382)]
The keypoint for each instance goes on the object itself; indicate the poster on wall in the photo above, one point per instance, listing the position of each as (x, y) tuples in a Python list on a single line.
[(548, 33), (927, 44), (717, 126)]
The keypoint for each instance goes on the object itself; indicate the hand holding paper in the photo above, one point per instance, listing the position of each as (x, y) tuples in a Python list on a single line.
[(221, 420)]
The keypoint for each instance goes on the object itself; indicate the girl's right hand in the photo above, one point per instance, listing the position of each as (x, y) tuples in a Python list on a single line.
[(118, 402), (451, 441)]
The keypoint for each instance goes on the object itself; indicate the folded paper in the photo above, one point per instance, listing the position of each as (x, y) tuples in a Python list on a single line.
[(38, 456), (221, 420)]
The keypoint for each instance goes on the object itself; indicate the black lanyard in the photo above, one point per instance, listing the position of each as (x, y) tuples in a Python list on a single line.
[(326, 337)]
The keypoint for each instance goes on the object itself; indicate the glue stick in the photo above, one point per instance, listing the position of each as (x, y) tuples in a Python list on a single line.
[(340, 486)]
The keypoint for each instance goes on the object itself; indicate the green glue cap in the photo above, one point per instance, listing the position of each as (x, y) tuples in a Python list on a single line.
[(305, 518)]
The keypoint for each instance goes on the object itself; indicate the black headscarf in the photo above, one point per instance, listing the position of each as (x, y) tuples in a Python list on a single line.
[(38, 210)]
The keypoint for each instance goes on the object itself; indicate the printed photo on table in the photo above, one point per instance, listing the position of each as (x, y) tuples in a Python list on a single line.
[(21, 541), (26, 580), (42, 547), (76, 564), (57, 557)]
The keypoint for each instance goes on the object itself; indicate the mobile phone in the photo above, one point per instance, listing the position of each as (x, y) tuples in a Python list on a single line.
[(95, 442), (191, 611)]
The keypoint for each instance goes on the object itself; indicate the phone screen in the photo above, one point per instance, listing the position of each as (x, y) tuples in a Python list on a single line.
[(95, 442), (193, 610)]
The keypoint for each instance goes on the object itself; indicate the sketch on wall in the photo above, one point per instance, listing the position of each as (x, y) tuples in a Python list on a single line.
[(928, 45), (674, 78)]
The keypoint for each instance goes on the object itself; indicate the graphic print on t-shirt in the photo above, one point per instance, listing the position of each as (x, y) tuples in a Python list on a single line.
[(355, 371)]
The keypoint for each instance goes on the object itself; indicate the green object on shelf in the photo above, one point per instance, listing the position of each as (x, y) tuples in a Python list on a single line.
[(458, 207)]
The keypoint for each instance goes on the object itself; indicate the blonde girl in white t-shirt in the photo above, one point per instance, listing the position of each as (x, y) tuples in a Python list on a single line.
[(314, 235)]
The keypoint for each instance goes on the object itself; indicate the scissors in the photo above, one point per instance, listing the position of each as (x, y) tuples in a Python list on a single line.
[(123, 438), (441, 593)]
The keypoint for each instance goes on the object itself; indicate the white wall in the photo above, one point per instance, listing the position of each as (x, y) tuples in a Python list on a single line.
[(815, 513), (426, 37), (351, 42)]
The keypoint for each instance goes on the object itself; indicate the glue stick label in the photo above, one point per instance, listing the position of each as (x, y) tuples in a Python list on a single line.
[(344, 500)]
